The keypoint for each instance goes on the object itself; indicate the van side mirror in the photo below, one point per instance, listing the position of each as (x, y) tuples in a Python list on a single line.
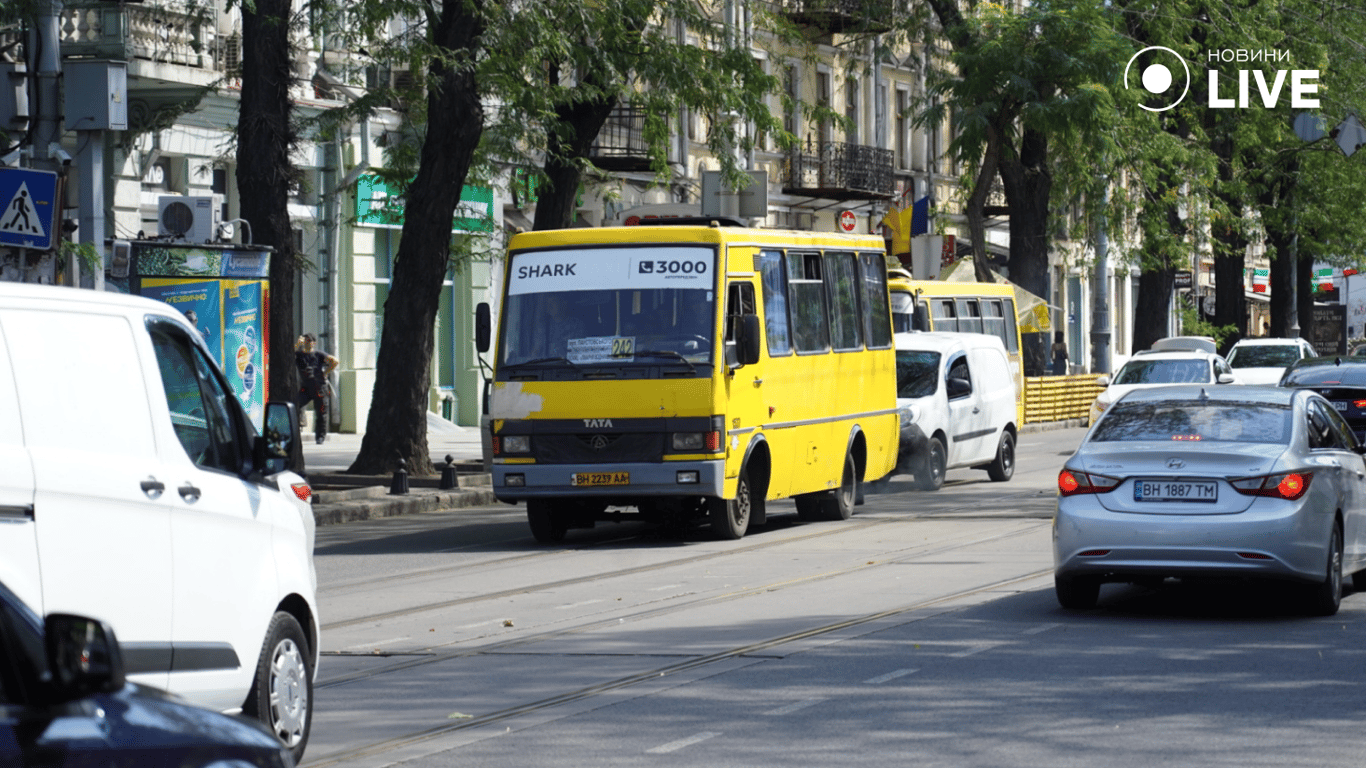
[(280, 434), (747, 334), (1225, 378), (959, 388), (83, 656), (483, 327), (1103, 381)]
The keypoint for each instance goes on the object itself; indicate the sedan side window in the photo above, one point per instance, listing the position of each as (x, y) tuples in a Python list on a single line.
[(200, 412), (1322, 436), (1345, 437)]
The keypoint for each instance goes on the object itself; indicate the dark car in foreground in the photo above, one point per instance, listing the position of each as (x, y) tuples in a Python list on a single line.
[(1202, 481), (1342, 380), (64, 702)]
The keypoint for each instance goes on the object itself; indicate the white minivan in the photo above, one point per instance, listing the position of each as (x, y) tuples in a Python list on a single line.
[(956, 396), (134, 489)]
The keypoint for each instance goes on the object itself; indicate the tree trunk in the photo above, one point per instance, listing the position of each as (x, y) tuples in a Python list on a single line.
[(1028, 185), (1154, 306), (580, 122), (265, 136), (396, 427), (981, 186)]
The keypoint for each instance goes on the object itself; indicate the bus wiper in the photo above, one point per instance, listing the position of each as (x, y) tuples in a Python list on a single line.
[(666, 353), (541, 360)]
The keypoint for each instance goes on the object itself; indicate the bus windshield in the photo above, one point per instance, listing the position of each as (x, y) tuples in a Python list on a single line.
[(636, 307)]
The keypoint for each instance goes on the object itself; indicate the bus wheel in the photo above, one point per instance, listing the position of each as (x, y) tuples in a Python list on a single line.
[(929, 476), (1003, 466), (839, 504), (730, 517), (547, 526)]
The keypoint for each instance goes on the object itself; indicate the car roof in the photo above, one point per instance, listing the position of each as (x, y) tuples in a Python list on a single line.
[(1171, 354), (943, 341), (60, 297), (1338, 369), (1263, 341), (1201, 343), (1220, 393)]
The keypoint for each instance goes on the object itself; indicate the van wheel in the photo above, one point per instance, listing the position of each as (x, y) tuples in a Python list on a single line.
[(1003, 467), (546, 525), (929, 476), (282, 692), (730, 517)]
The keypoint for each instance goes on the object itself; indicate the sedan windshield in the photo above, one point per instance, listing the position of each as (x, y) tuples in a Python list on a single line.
[(1263, 356), (917, 373), (1164, 372), (1195, 421)]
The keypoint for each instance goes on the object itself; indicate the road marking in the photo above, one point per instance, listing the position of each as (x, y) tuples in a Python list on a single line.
[(890, 676), (477, 625), (795, 706), (1040, 628), (674, 746), (576, 605), (974, 650), (375, 644), (666, 586)]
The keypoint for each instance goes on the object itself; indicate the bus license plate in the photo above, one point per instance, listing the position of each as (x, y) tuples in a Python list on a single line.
[(1176, 490), (600, 478)]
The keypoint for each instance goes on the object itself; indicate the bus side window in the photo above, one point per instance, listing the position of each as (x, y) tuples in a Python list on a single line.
[(775, 303), (969, 316), (1012, 338), (945, 319), (993, 322), (878, 331), (806, 293), (739, 302), (841, 285)]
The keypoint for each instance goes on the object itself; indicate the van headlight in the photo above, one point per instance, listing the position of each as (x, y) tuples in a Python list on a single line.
[(909, 415)]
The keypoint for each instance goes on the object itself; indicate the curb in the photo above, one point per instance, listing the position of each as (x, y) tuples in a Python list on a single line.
[(1049, 426), (334, 513)]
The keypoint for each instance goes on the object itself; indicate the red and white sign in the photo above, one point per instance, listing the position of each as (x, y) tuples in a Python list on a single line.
[(847, 221)]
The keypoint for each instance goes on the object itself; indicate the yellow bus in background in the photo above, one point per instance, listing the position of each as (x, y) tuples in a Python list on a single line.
[(941, 305), (691, 371)]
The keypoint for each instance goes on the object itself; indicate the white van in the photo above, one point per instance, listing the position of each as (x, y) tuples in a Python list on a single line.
[(956, 395), (134, 489)]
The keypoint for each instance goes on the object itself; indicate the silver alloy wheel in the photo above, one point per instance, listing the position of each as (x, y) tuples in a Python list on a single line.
[(288, 692)]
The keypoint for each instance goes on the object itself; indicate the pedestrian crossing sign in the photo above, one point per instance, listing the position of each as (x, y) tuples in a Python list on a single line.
[(29, 200)]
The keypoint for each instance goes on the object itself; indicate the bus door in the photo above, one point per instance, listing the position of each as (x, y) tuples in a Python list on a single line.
[(744, 403)]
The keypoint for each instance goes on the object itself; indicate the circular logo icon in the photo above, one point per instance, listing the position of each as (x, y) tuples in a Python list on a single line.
[(848, 221), (1155, 73), (243, 358), (249, 377), (249, 337)]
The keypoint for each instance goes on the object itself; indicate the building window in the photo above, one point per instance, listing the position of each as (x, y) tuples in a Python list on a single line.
[(851, 109)]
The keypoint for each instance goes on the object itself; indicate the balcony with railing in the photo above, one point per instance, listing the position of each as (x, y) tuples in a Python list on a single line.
[(840, 171), (843, 16), (173, 32), (621, 145)]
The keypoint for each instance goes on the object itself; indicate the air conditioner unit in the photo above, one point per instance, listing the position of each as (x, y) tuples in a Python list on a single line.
[(193, 218)]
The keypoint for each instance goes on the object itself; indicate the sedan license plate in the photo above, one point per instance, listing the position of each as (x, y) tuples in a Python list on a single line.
[(1341, 405), (600, 478), (1176, 490)]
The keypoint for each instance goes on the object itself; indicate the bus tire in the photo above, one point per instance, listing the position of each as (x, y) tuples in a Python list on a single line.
[(730, 517), (1002, 468), (839, 503), (808, 506), (547, 526), (929, 475)]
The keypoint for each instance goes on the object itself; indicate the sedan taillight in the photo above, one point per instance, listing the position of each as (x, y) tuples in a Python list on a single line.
[(1287, 485), (1074, 483)]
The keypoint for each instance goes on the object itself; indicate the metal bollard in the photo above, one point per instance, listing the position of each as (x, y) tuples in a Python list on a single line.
[(448, 479), (399, 486)]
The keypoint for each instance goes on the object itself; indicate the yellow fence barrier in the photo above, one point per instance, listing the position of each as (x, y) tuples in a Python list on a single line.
[(1057, 398)]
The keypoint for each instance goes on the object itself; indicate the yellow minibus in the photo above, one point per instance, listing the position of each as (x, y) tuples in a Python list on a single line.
[(942, 305), (690, 370)]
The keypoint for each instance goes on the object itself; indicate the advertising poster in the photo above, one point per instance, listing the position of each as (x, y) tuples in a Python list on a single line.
[(200, 302), (243, 331)]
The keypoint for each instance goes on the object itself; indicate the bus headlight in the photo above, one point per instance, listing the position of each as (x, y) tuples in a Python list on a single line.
[(516, 444), (696, 441)]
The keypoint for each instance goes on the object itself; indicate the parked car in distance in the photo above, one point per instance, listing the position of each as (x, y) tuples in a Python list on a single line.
[(64, 701), (1202, 481), (1200, 343), (1157, 368), (1341, 380), (133, 487), (957, 398), (1264, 360)]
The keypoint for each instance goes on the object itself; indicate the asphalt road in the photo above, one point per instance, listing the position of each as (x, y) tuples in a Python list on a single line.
[(922, 632)]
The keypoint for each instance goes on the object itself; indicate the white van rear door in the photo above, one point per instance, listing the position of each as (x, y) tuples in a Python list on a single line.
[(18, 537), (102, 522)]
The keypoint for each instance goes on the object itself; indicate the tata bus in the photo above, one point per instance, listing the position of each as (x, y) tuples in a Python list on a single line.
[(943, 305), (687, 372)]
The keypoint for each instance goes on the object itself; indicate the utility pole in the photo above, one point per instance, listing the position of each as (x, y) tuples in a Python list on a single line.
[(1100, 295), (44, 51)]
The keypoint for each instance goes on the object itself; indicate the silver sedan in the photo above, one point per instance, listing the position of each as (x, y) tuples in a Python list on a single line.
[(1194, 481)]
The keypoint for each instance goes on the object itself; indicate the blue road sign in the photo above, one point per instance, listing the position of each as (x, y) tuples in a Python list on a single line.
[(28, 207)]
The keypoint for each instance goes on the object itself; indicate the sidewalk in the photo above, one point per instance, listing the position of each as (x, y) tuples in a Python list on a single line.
[(340, 498)]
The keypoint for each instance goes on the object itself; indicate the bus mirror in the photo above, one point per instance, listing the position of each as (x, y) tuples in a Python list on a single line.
[(483, 327), (922, 317), (747, 345)]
